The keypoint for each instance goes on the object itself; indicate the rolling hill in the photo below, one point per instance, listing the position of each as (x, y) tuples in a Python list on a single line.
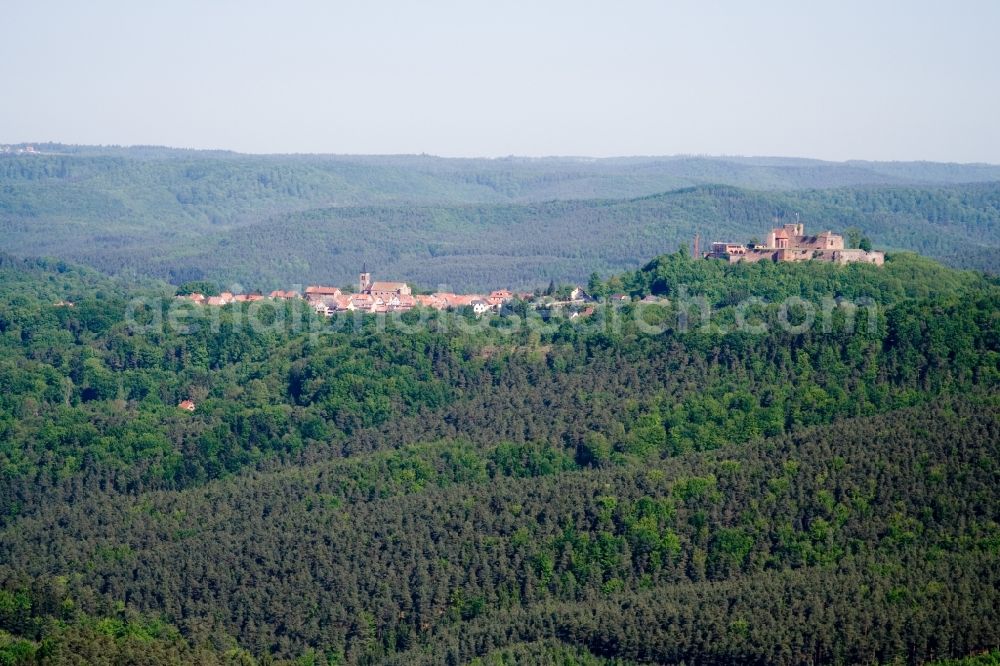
[(275, 221), (453, 491)]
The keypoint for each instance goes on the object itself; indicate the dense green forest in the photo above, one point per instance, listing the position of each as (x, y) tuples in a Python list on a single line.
[(271, 222), (640, 486)]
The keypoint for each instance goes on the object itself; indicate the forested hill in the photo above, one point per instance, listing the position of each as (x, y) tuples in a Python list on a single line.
[(445, 489), (483, 247), (274, 222)]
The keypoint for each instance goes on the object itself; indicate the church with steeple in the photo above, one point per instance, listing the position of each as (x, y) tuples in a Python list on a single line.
[(383, 290), (364, 280)]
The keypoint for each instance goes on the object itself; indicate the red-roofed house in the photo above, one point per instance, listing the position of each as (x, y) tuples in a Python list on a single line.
[(498, 297), (316, 292), (363, 302), (432, 301), (343, 303), (461, 300)]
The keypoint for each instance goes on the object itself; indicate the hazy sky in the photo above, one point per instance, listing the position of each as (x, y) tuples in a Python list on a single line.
[(870, 79)]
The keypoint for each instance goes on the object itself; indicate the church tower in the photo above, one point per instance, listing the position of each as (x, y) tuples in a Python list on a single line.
[(364, 279)]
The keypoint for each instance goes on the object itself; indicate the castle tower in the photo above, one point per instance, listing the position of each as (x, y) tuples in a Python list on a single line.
[(364, 279)]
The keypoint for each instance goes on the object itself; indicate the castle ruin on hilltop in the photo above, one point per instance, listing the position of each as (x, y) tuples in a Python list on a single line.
[(790, 243)]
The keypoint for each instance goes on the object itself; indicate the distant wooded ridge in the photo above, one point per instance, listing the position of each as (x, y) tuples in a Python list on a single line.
[(897, 167), (268, 221)]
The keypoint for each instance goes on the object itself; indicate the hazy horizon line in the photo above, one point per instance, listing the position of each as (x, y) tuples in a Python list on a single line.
[(513, 156)]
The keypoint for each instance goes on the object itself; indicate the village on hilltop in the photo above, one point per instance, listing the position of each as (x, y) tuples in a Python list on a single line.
[(377, 297)]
